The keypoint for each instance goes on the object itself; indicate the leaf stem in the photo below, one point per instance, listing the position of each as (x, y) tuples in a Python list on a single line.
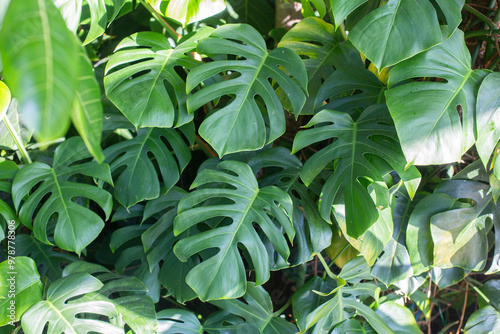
[(327, 268), (480, 16), (15, 136), (283, 308), (171, 31), (478, 33), (479, 292)]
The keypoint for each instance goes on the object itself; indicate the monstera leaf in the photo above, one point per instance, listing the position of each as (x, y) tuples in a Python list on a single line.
[(253, 315), (430, 129), (488, 116), (387, 35), (240, 125), (257, 308), (458, 229), (323, 50), (132, 260), (56, 197), (134, 171), (350, 89), (222, 275), (356, 144), (65, 311), (128, 295), (342, 8), (158, 241), (155, 96), (312, 233), (313, 309), (34, 30), (395, 265)]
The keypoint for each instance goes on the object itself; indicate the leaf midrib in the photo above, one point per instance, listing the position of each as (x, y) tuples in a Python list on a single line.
[(58, 187), (455, 93), (49, 77), (235, 231), (250, 86)]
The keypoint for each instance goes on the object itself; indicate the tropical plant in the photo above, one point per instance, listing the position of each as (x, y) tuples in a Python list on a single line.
[(173, 166)]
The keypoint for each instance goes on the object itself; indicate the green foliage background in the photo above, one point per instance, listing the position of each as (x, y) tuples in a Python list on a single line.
[(173, 166)]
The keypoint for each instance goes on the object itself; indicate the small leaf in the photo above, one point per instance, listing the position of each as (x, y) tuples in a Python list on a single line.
[(323, 52), (145, 64), (76, 225), (65, 311), (399, 318), (484, 320), (342, 8), (135, 174), (20, 287), (488, 116)]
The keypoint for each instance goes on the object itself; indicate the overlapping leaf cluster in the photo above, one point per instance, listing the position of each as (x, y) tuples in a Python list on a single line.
[(192, 157)]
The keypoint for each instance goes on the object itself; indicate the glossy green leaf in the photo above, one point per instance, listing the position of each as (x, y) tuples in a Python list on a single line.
[(177, 321), (40, 65), (16, 124), (87, 108), (418, 234), (399, 318), (342, 8), (188, 11), (485, 212), (222, 275), (426, 113), (461, 240), (76, 225), (356, 142), (49, 262), (332, 312), (135, 174), (142, 81), (447, 277), (257, 13), (20, 287), (65, 311), (257, 308), (373, 241), (128, 294), (158, 241), (488, 116), (305, 300), (8, 170), (132, 262), (240, 124), (323, 51), (394, 265), (387, 35), (313, 234), (350, 89), (484, 320), (71, 11), (491, 289)]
